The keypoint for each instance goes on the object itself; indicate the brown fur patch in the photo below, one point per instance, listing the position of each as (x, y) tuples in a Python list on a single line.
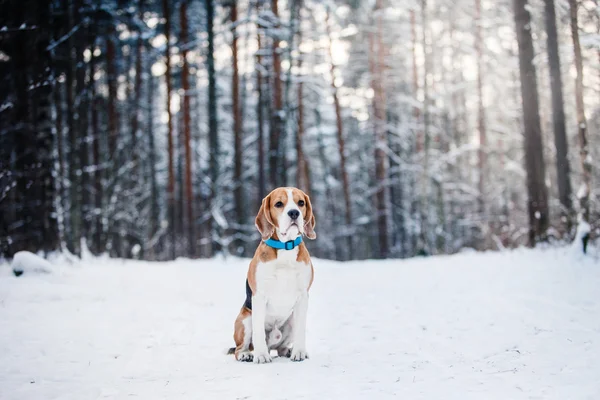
[(268, 214), (307, 212), (263, 254), (303, 255), (239, 331)]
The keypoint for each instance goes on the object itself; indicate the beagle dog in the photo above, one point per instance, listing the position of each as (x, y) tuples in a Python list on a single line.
[(273, 316)]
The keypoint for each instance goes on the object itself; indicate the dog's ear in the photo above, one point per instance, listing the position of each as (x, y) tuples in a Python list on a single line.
[(264, 222), (309, 220)]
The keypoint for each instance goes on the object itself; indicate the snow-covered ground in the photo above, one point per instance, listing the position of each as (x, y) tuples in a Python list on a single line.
[(516, 325)]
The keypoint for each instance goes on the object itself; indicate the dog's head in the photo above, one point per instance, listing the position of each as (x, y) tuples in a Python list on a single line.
[(288, 212)]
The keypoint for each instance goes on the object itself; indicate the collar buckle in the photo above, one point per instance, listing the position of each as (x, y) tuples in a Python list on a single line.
[(291, 244)]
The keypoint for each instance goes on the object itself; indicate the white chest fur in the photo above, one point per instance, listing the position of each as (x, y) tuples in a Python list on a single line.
[(282, 282)]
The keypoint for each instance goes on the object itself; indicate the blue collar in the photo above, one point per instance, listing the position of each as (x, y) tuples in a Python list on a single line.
[(289, 245)]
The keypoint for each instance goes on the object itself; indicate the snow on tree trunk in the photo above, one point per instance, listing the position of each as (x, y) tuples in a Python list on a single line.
[(558, 117), (583, 194), (537, 202)]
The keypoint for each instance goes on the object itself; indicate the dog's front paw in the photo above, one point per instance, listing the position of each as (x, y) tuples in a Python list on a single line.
[(299, 355), (245, 356), (262, 357), (285, 352)]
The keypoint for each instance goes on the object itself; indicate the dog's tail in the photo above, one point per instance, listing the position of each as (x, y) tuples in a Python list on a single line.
[(230, 351)]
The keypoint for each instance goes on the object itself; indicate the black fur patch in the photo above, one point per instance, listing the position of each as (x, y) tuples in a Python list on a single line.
[(248, 302)]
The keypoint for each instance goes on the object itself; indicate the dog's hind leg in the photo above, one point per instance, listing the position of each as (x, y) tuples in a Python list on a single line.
[(243, 335), (283, 347)]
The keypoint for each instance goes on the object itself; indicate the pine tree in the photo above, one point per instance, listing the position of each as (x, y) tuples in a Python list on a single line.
[(537, 202), (586, 164), (187, 137), (170, 144), (558, 116)]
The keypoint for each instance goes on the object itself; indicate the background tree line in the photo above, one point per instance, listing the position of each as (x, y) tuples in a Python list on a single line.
[(152, 129)]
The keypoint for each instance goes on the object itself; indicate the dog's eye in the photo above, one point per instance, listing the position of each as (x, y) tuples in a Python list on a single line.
[(279, 204), (301, 203)]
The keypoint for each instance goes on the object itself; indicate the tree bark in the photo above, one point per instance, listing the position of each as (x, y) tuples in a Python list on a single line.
[(135, 115), (481, 126), (262, 184), (213, 134), (97, 226), (537, 204), (276, 158), (58, 60), (302, 176), (113, 237), (341, 143), (561, 143), (154, 209), (30, 222), (73, 243), (113, 118), (82, 123), (415, 78), (380, 123), (416, 205), (187, 137), (426, 244), (586, 162), (170, 146), (238, 191)]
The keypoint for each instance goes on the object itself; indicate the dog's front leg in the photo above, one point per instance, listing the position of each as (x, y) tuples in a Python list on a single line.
[(299, 352), (259, 310)]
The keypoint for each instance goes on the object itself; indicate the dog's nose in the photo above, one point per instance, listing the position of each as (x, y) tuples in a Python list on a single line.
[(294, 214)]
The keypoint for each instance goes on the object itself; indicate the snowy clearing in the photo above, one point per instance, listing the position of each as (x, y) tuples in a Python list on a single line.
[(515, 325)]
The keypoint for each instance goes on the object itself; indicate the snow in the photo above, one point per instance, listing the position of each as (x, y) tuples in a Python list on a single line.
[(25, 262), (583, 229), (521, 324), (583, 191)]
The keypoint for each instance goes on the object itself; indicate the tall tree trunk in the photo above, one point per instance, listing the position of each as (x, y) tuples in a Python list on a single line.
[(60, 147), (415, 78), (97, 226), (481, 127), (170, 145), (586, 163), (341, 143), (558, 117), (380, 126), (135, 114), (154, 209), (27, 127), (537, 204), (276, 158), (262, 183), (331, 207), (187, 136), (425, 183), (82, 102), (113, 117), (213, 134), (113, 134), (74, 141), (238, 191), (302, 178), (417, 209), (425, 245)]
